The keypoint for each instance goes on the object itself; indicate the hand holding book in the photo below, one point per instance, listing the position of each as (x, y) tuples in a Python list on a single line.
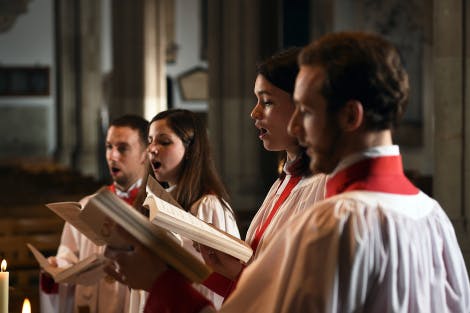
[(105, 206), (140, 276), (98, 217), (221, 262)]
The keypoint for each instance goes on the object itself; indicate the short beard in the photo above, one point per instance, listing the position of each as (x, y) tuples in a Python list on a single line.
[(327, 162), (121, 182)]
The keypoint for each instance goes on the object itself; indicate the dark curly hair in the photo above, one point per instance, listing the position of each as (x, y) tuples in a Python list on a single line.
[(363, 67)]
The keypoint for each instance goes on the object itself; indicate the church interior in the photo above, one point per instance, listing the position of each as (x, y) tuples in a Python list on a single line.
[(68, 67)]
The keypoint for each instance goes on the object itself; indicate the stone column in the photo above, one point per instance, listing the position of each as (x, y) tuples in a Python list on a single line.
[(127, 94), (138, 79), (452, 109), (65, 80), (235, 45), (79, 83), (91, 82)]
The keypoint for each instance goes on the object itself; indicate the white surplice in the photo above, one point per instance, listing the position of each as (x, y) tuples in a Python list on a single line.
[(105, 296), (359, 251), (307, 191), (209, 209)]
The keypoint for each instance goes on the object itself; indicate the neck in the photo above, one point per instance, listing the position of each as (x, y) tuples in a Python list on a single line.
[(124, 188), (292, 153), (365, 140), (380, 138)]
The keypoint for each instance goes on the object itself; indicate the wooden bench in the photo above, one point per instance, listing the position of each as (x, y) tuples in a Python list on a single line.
[(30, 226), (44, 234), (17, 254)]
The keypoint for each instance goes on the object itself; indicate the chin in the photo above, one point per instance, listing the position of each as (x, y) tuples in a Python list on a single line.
[(271, 147), (266, 146)]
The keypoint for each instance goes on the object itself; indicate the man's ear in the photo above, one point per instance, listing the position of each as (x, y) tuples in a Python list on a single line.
[(351, 116)]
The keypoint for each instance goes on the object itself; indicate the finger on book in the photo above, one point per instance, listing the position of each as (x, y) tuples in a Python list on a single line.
[(112, 271), (52, 261)]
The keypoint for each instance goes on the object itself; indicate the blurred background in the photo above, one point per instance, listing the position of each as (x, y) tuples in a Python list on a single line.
[(68, 67)]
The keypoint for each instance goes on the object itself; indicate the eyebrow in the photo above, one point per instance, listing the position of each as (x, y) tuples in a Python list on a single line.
[(160, 135), (119, 143), (262, 92)]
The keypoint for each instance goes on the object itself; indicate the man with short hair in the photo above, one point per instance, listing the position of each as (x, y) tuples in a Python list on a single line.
[(126, 156), (377, 243)]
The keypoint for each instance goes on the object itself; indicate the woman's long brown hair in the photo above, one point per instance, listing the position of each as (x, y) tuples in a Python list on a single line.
[(198, 174)]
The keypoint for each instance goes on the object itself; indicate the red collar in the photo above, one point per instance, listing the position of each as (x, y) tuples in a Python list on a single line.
[(131, 194), (382, 174)]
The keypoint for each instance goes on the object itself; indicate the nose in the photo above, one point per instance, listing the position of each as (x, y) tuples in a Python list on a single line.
[(257, 112), (294, 128), (152, 148), (114, 153)]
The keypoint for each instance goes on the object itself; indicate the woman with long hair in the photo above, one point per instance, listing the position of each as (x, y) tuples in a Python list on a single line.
[(181, 160)]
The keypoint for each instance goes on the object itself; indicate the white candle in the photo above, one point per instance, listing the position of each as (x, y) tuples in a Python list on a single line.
[(26, 306), (4, 287)]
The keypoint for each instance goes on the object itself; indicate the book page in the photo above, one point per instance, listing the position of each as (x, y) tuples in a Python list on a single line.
[(161, 200), (53, 271), (70, 212), (102, 226), (158, 191), (184, 223), (85, 272), (169, 204), (66, 210)]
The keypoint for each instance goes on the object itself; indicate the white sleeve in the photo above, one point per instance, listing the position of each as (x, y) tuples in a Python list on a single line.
[(68, 250), (300, 269), (211, 210)]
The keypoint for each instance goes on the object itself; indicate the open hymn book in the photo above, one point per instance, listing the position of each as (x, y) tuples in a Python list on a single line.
[(86, 271), (96, 221), (167, 213)]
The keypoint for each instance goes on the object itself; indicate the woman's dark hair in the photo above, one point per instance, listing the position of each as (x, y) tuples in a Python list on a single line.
[(363, 67), (281, 69), (198, 174)]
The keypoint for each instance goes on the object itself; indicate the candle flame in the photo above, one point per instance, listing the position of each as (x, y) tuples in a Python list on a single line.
[(26, 306), (4, 266)]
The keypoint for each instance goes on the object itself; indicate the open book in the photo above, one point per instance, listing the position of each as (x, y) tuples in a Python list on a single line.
[(166, 213), (71, 212), (96, 221), (87, 271)]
